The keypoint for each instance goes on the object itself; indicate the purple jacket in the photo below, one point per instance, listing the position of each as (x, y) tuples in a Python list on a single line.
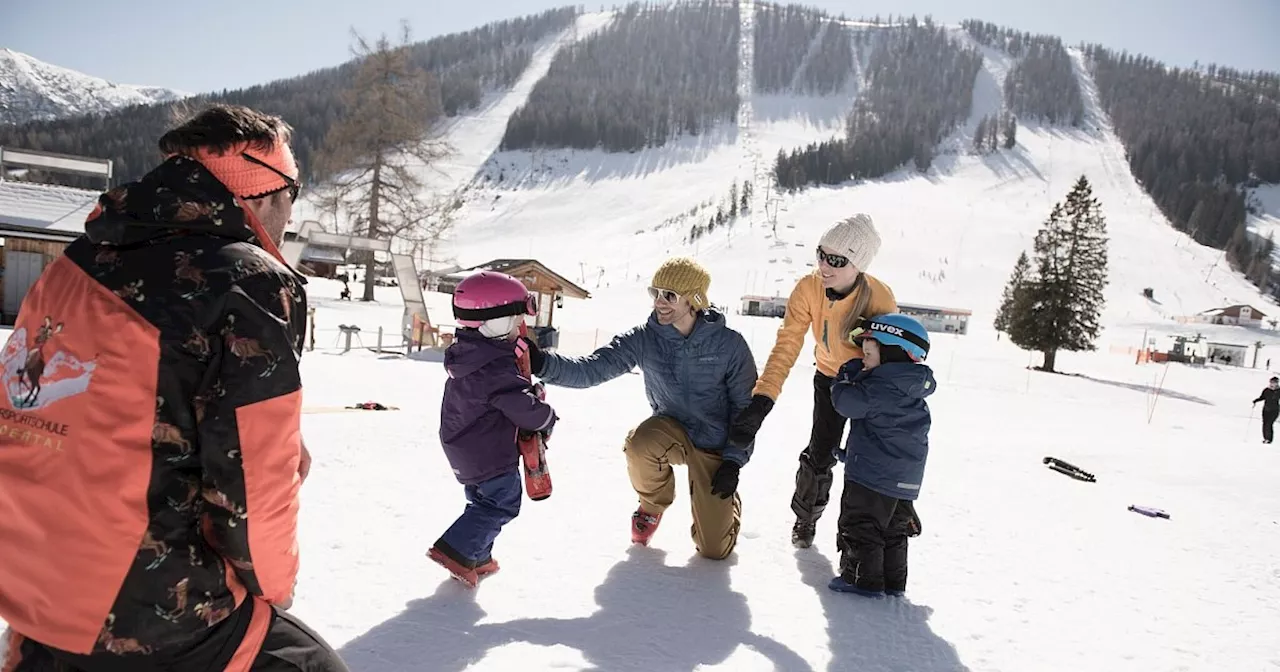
[(486, 401)]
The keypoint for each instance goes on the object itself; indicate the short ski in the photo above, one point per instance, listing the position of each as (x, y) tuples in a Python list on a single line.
[(1149, 511), (533, 448), (1064, 467)]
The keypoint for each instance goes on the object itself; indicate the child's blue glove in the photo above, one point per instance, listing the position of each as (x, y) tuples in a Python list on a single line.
[(849, 371)]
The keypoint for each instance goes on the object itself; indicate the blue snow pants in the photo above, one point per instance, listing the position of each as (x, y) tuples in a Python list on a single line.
[(490, 505)]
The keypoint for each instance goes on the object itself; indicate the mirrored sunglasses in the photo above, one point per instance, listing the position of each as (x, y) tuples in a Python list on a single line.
[(832, 260)]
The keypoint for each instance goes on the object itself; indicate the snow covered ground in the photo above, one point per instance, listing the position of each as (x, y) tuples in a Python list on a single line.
[(1018, 567)]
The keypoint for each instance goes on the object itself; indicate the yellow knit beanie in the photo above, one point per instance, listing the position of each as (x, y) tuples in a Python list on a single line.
[(685, 277)]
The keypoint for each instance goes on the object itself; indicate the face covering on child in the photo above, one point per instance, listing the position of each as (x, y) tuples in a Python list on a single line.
[(507, 328)]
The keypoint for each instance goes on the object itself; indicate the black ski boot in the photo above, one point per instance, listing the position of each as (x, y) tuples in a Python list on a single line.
[(802, 533)]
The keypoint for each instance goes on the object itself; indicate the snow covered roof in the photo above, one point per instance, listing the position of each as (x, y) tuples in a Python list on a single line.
[(322, 254), (923, 308), (45, 206), (510, 265), (1234, 311)]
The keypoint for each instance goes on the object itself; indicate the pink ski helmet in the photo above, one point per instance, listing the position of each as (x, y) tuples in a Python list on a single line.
[(489, 295)]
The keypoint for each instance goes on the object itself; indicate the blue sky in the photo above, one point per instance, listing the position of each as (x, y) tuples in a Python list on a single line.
[(204, 46)]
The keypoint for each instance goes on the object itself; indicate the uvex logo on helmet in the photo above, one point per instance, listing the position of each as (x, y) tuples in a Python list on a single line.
[(888, 329)]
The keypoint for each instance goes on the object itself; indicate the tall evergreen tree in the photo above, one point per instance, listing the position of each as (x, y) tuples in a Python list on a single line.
[(1061, 306), (376, 152), (1014, 291)]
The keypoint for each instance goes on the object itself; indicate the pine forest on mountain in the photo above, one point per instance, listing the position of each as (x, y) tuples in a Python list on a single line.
[(783, 38), (920, 87), (1042, 85), (462, 67), (1195, 140), (656, 72)]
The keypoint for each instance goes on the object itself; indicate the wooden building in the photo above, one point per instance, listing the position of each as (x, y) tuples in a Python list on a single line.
[(764, 306), (1239, 315), (549, 286), (937, 319), (38, 221)]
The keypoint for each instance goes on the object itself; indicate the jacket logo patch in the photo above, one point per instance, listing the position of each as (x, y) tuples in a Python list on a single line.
[(36, 375)]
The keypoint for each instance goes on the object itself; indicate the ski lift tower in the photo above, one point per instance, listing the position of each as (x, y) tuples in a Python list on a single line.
[(312, 233)]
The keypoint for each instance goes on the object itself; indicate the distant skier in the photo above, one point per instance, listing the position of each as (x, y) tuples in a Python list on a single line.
[(697, 373), (882, 394), (1270, 399), (486, 403)]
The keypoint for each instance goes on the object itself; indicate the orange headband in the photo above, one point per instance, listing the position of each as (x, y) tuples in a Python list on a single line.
[(247, 179)]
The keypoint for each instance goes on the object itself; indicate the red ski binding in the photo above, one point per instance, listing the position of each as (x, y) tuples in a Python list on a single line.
[(533, 448)]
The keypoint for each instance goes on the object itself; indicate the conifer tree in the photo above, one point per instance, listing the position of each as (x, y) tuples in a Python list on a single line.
[(1059, 308)]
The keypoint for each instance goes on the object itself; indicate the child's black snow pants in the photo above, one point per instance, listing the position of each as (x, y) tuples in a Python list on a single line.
[(873, 538)]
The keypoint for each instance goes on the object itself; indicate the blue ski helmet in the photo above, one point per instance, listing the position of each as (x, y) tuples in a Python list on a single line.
[(897, 329)]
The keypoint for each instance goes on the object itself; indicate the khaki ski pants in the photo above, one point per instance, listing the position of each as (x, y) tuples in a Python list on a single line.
[(651, 449)]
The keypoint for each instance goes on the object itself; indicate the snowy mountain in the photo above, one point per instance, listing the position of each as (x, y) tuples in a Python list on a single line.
[(951, 233), (1018, 567), (31, 89)]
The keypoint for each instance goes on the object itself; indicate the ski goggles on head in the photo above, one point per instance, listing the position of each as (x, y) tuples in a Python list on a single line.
[(832, 260), (294, 186), (859, 332), (527, 307), (670, 296), (869, 328)]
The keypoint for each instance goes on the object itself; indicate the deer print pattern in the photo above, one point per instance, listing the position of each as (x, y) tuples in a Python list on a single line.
[(184, 271), (175, 248), (246, 349)]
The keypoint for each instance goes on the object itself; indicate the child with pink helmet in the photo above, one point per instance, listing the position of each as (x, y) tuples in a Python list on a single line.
[(487, 403)]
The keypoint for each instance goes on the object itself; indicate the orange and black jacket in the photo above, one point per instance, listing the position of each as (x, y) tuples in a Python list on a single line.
[(149, 430)]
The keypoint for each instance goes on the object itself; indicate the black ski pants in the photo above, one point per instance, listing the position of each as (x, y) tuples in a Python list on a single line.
[(290, 646), (813, 478), (1268, 423), (873, 538)]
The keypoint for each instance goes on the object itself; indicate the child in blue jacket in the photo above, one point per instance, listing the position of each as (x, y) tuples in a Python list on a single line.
[(882, 394)]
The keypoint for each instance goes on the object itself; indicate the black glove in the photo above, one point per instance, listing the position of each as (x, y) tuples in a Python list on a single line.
[(743, 430), (725, 481), (536, 358)]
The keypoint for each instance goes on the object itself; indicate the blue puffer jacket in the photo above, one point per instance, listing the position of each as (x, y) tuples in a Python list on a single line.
[(889, 434), (701, 381)]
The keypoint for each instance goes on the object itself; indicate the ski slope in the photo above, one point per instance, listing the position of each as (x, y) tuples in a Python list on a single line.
[(1018, 568), (950, 236)]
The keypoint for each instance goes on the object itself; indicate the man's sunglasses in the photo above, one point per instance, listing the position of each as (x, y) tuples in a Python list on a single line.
[(291, 184), (666, 294), (832, 260)]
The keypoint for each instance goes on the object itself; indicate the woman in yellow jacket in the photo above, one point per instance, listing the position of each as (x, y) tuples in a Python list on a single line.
[(829, 302)]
